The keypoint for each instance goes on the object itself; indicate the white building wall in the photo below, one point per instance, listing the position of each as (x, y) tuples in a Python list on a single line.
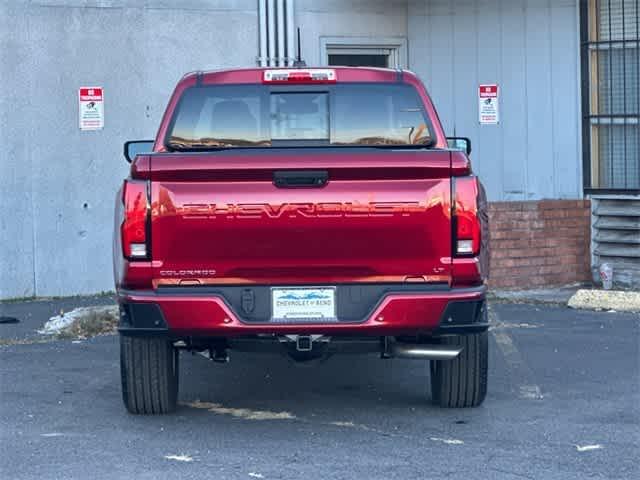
[(362, 19), (531, 49), (58, 184)]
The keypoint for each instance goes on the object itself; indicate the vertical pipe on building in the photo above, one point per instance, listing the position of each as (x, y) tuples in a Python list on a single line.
[(638, 80), (262, 46), (610, 104), (271, 4), (291, 44), (280, 30)]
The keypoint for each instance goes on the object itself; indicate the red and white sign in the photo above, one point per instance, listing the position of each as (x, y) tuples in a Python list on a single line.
[(488, 104), (91, 108)]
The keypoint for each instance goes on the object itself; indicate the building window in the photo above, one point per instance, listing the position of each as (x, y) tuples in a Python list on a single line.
[(388, 52), (360, 57), (610, 36)]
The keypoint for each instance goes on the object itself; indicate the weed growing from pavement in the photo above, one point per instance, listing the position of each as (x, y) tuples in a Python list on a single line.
[(90, 325)]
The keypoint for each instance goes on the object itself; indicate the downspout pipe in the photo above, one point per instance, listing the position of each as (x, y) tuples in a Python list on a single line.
[(271, 55), (262, 45), (281, 30)]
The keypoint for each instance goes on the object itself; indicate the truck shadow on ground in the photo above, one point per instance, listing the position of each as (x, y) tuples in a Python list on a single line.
[(271, 383)]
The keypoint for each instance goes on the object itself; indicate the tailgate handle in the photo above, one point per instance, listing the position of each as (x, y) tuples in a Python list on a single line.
[(300, 178)]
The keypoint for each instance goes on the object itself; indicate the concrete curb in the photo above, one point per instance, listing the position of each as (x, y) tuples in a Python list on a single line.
[(544, 296)]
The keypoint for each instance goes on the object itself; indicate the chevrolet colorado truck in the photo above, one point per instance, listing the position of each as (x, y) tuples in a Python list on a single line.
[(306, 211)]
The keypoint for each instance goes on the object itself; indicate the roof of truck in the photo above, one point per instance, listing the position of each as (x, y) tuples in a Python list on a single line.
[(256, 74)]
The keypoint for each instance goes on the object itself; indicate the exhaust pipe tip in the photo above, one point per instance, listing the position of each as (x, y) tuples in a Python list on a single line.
[(424, 352)]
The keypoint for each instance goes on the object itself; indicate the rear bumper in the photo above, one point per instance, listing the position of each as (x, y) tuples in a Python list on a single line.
[(177, 314)]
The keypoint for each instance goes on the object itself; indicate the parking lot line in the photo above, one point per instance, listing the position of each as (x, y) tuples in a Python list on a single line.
[(528, 388)]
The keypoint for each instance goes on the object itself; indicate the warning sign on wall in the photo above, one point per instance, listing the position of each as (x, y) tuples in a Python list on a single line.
[(488, 104), (91, 108)]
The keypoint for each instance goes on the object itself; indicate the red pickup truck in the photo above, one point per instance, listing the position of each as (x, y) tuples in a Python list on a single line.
[(307, 211)]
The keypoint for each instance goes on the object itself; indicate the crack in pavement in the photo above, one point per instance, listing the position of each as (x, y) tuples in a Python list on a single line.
[(259, 415)]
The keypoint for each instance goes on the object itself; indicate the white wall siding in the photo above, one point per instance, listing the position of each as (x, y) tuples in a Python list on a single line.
[(57, 184), (530, 48), (347, 18), (16, 199)]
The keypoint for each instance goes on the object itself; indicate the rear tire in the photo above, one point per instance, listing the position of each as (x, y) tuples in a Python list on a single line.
[(149, 375), (461, 382)]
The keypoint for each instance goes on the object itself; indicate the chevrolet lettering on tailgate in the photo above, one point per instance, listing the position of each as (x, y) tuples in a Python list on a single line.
[(308, 210)]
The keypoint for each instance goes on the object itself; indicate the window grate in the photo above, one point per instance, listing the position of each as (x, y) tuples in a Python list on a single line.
[(610, 39)]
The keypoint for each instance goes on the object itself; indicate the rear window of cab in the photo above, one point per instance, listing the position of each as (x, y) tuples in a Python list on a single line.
[(224, 116)]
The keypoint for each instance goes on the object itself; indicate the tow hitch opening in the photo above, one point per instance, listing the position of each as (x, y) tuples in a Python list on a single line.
[(304, 343)]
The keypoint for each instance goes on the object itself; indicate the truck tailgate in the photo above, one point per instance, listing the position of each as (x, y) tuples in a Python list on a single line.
[(220, 218)]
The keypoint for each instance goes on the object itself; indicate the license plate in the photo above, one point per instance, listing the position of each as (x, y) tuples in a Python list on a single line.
[(290, 305)]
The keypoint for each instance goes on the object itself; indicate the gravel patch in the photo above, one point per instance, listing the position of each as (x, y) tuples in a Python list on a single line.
[(83, 322), (606, 300)]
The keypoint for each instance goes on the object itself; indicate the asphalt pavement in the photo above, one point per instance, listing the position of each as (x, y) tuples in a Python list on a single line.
[(563, 403)]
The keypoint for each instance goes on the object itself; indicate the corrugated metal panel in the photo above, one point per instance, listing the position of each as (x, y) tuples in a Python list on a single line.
[(530, 48), (616, 238)]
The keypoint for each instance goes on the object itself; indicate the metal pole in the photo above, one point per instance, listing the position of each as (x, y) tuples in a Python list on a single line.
[(281, 31), (271, 21), (262, 46)]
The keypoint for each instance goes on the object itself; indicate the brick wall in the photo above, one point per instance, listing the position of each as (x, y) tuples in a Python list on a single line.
[(539, 243)]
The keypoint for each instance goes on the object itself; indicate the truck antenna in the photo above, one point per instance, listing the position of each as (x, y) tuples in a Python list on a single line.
[(299, 63)]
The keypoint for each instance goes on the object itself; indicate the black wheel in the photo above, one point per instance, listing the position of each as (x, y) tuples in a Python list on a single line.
[(149, 374), (461, 382)]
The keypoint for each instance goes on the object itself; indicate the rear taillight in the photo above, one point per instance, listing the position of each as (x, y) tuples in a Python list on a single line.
[(466, 240), (134, 226)]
